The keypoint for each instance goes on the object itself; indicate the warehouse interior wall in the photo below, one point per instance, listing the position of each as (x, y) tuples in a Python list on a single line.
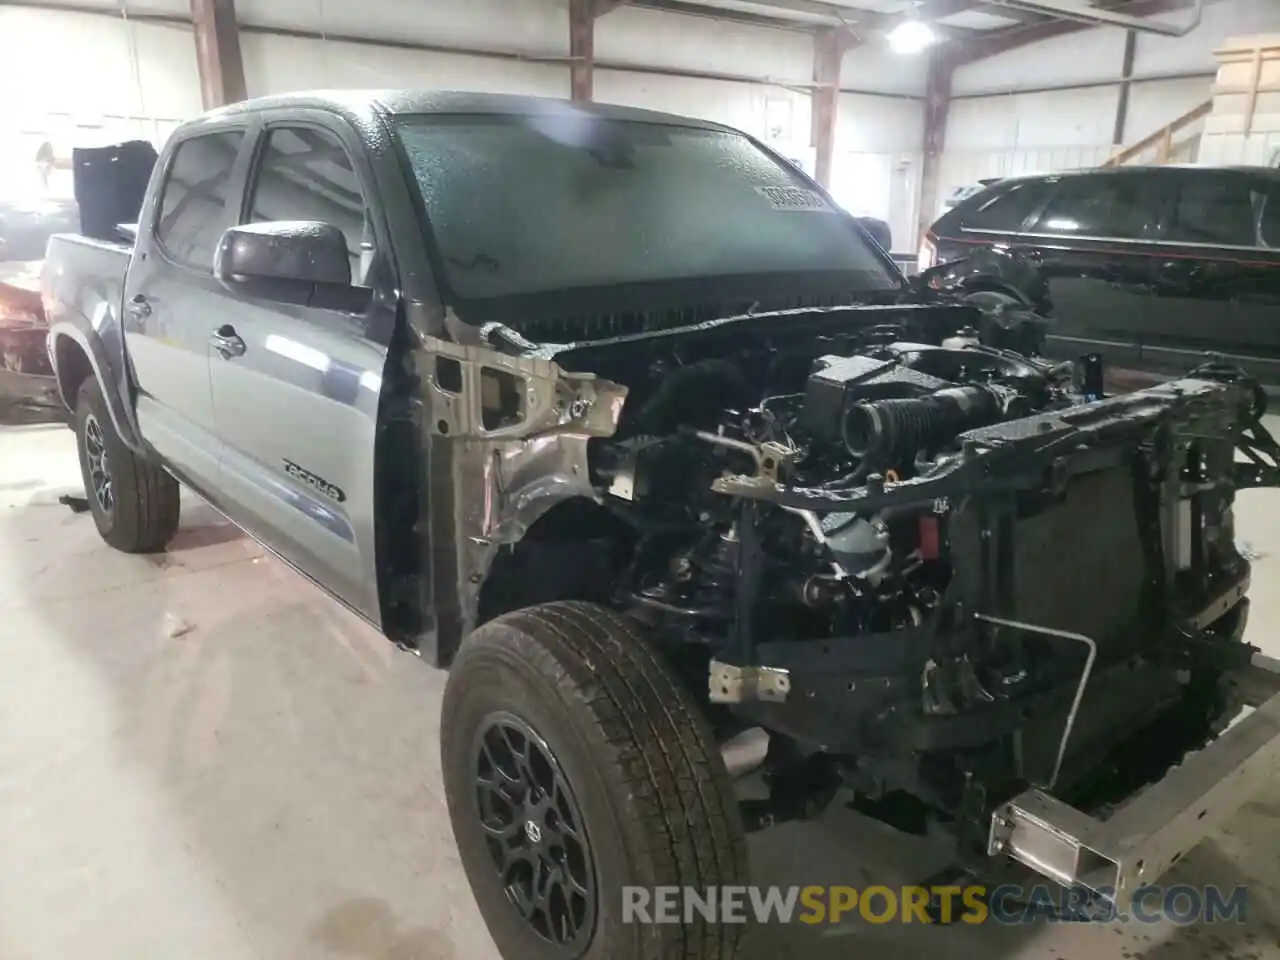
[(80, 79), (879, 156)]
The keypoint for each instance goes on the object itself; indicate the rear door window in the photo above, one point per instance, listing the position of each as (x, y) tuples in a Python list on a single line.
[(1106, 206), (1215, 208), (195, 197), (1002, 208)]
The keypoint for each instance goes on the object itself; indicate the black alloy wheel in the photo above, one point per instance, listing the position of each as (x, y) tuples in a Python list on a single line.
[(535, 832), (580, 771), (98, 463)]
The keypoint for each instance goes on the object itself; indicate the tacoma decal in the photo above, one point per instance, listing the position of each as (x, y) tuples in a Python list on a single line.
[(318, 484)]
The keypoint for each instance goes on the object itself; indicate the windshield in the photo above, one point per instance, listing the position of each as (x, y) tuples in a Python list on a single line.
[(562, 200)]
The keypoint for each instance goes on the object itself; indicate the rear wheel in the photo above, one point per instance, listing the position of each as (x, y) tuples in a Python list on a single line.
[(575, 764), (135, 504)]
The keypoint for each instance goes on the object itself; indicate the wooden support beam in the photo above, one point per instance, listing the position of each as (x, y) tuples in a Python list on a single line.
[(723, 14), (829, 46), (877, 22), (937, 106), (218, 52), (1126, 82), (1012, 13), (1001, 41), (582, 42)]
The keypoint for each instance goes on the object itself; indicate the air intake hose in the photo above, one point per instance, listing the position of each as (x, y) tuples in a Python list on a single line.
[(882, 433)]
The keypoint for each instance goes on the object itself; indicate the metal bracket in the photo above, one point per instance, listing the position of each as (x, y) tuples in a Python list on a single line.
[(1080, 686), (733, 684), (776, 460)]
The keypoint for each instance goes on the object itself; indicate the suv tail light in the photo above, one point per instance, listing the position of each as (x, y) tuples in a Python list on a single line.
[(928, 255)]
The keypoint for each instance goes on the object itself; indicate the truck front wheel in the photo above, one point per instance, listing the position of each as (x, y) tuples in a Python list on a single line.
[(581, 776), (135, 504)]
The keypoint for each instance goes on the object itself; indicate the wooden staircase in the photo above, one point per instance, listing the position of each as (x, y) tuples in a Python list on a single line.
[(1241, 121), (1245, 125), (1163, 140)]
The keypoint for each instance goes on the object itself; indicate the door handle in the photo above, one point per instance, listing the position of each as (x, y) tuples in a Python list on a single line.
[(227, 342), (138, 307)]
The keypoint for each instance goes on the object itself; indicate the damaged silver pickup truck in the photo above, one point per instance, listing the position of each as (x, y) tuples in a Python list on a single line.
[(619, 418)]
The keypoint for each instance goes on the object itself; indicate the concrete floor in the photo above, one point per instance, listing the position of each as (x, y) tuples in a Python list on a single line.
[(203, 757)]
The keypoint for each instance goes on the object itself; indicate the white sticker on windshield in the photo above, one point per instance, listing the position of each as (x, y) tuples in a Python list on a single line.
[(793, 198)]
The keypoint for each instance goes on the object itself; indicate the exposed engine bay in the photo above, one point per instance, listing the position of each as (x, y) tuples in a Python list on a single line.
[(891, 413), (930, 564)]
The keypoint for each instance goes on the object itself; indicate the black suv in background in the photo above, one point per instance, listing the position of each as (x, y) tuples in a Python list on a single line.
[(1153, 267)]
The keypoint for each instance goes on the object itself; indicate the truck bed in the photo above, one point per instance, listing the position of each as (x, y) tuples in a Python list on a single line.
[(83, 260), (82, 288), (83, 276)]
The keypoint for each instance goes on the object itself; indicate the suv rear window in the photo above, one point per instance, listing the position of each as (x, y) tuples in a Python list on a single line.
[(1002, 207), (1214, 209), (1123, 206)]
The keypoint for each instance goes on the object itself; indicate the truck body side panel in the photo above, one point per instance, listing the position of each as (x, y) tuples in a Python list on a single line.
[(82, 289)]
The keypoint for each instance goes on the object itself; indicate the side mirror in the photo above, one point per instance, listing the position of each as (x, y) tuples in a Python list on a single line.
[(303, 262)]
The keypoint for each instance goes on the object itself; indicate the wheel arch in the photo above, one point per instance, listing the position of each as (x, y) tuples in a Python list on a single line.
[(538, 566), (75, 358)]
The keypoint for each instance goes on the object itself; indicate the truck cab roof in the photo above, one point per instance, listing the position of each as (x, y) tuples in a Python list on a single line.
[(367, 104)]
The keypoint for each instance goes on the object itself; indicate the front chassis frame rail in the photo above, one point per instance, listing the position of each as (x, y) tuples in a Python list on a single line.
[(1142, 839)]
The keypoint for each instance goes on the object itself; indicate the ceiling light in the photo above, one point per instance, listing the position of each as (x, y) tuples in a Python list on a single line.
[(911, 36)]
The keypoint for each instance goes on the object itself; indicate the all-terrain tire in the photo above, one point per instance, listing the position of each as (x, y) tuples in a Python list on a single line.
[(140, 514), (640, 762)]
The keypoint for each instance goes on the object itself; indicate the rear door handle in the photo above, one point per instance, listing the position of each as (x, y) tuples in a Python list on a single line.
[(138, 307), (227, 342)]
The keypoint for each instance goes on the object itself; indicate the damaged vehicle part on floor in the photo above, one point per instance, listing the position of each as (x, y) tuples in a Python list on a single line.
[(26, 377), (643, 497)]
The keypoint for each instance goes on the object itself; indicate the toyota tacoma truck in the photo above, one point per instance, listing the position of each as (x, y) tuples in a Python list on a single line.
[(620, 419)]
